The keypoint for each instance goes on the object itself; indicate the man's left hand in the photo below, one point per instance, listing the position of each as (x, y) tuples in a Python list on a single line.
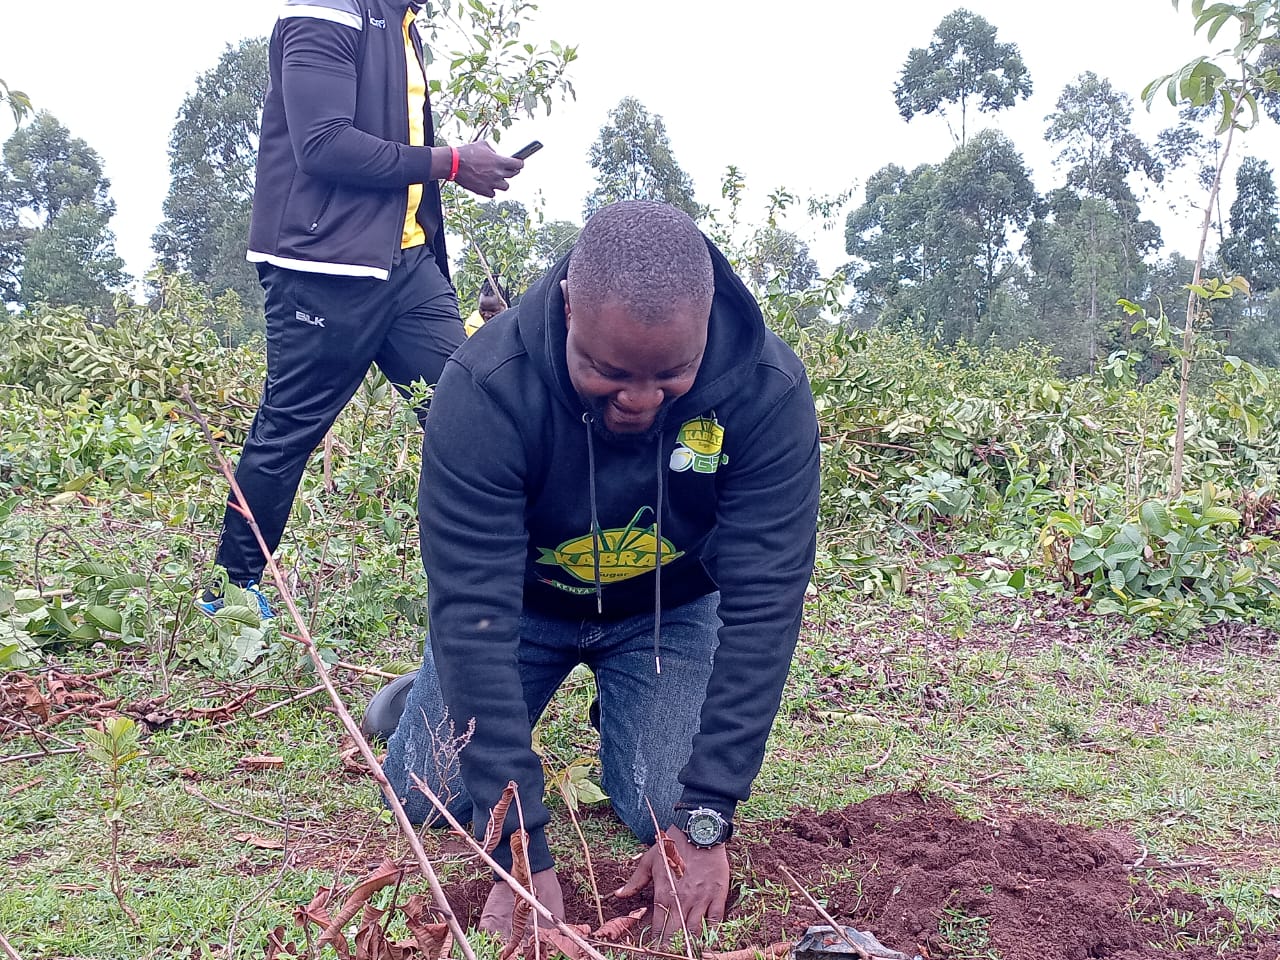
[(697, 897)]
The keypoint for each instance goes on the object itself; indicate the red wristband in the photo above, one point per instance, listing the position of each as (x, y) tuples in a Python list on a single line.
[(453, 166)]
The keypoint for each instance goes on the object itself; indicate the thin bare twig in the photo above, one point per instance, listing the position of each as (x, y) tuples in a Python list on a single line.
[(872, 767), (501, 872), (371, 671), (660, 841), (838, 928), (22, 757), (322, 671), (35, 733), (262, 894), (9, 952), (586, 852), (243, 815), (646, 951)]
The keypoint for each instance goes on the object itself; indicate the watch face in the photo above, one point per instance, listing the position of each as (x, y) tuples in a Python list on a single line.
[(705, 829)]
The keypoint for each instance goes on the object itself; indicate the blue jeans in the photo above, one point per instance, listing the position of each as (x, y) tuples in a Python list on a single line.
[(647, 720)]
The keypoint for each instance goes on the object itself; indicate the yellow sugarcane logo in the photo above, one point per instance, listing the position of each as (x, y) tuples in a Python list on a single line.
[(625, 552), (698, 447)]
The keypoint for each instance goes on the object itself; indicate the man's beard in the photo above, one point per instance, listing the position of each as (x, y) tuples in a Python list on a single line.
[(596, 406)]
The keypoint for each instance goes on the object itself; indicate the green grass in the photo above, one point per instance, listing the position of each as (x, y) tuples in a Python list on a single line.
[(1175, 744)]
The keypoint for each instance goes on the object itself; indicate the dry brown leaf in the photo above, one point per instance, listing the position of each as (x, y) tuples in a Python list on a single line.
[(433, 939), (32, 699), (316, 912), (673, 857), (57, 689), (555, 943), (262, 843), (497, 817), (775, 951), (276, 946), (386, 874), (619, 927), (371, 942), (519, 870)]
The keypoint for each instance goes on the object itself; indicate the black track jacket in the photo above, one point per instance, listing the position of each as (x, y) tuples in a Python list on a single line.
[(506, 522), (334, 164)]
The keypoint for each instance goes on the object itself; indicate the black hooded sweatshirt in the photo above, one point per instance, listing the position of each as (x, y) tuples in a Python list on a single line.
[(512, 467)]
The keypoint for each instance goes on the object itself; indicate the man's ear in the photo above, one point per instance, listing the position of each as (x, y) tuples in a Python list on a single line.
[(564, 291)]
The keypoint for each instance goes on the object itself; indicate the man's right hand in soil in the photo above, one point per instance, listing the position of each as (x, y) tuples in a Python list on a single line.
[(498, 909), (698, 896), (483, 170)]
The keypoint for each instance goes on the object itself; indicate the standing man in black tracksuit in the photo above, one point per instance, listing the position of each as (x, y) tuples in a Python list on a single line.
[(622, 471), (347, 233)]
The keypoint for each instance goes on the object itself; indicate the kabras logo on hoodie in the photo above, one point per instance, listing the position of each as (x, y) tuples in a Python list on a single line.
[(625, 552), (698, 446)]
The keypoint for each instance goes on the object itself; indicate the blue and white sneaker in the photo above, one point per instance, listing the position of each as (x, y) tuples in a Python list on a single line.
[(210, 602)]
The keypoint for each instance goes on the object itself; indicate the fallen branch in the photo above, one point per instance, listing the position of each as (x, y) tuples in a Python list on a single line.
[(501, 873), (322, 672)]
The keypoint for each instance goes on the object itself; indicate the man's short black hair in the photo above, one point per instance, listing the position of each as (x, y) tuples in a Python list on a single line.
[(488, 289), (644, 255)]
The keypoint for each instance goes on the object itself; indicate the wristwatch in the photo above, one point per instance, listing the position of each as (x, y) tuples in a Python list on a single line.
[(704, 827)]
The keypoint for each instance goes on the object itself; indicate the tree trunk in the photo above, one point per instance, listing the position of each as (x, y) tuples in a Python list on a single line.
[(1188, 336)]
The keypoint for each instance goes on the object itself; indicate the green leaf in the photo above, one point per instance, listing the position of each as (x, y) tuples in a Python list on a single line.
[(1080, 549), (93, 569), (236, 614), (1087, 564), (1216, 514), (1066, 522), (8, 506), (1118, 553), (1154, 517), (1117, 582), (105, 617), (1228, 112)]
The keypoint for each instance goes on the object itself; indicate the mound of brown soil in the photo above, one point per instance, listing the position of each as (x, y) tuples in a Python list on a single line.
[(902, 866)]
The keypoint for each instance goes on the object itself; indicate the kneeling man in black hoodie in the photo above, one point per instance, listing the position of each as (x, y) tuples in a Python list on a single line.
[(620, 472)]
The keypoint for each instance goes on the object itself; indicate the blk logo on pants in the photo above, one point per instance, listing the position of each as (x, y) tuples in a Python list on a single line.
[(308, 318)]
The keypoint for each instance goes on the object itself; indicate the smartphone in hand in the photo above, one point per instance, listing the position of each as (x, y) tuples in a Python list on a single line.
[(528, 150)]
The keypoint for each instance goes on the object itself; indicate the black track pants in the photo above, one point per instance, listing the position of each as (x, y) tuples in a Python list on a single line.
[(323, 331)]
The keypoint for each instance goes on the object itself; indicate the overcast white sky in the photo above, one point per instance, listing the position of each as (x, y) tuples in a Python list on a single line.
[(796, 94)]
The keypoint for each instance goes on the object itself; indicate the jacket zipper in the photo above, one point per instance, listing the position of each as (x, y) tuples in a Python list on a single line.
[(315, 224)]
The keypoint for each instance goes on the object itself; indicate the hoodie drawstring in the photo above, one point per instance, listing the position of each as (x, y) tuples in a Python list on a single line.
[(657, 568), (595, 519), (597, 536)]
